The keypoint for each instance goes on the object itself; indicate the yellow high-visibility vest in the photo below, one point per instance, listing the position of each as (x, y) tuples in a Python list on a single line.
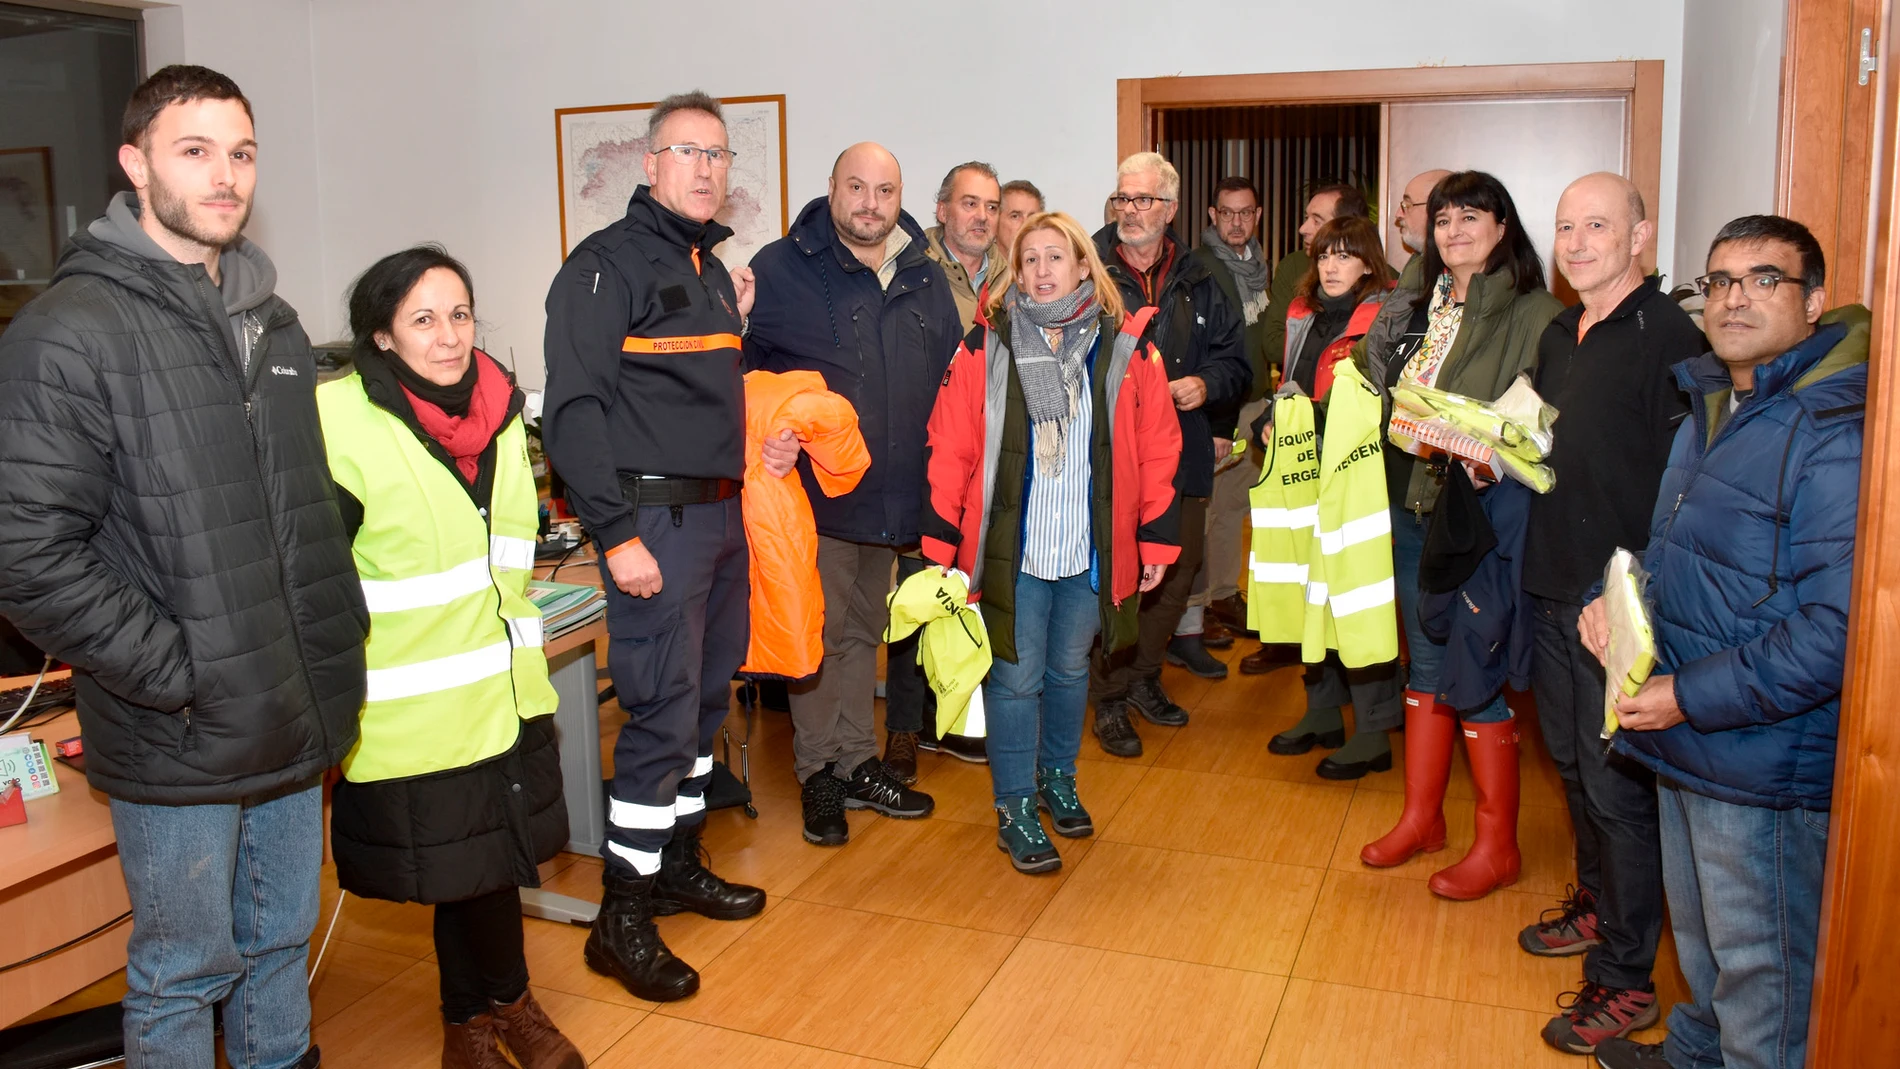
[(1349, 586), (1285, 507), (454, 649)]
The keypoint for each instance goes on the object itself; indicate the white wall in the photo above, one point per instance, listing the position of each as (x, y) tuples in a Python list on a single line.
[(386, 122), (1731, 104)]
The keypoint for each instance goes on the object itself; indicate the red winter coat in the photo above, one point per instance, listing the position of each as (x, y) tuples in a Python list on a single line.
[(967, 525)]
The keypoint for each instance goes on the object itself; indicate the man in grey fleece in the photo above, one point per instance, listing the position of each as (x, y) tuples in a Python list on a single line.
[(169, 528)]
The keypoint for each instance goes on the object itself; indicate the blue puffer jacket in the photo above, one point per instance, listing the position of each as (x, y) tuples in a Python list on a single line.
[(885, 350), (1751, 557)]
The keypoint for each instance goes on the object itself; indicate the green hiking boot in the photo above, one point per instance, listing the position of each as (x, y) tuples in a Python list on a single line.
[(1055, 791), (1019, 834)]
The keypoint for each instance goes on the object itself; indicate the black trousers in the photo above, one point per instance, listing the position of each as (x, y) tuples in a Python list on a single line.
[(1376, 692), (1161, 610), (672, 657), (907, 697), (1612, 802), (478, 953)]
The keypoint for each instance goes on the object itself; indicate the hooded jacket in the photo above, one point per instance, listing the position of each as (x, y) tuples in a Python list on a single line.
[(979, 468), (1198, 333), (168, 524), (969, 293), (788, 602), (884, 350), (1751, 560)]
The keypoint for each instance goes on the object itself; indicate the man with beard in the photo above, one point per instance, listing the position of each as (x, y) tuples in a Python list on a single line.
[(169, 528), (646, 424), (850, 293), (964, 240), (1200, 337)]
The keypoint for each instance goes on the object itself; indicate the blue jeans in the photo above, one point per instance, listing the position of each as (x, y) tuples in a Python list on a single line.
[(224, 898), (1035, 706), (1428, 657), (1744, 887)]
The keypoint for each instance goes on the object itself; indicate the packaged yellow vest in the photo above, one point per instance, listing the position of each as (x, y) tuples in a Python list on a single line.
[(454, 650), (955, 648), (1285, 506), (1349, 589)]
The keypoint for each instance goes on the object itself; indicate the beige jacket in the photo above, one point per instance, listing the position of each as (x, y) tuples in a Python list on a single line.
[(960, 286)]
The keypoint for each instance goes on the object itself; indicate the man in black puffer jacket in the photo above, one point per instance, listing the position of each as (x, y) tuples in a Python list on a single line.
[(168, 526)]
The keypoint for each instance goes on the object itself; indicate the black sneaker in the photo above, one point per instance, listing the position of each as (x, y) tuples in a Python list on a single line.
[(1114, 730), (1148, 699), (873, 787), (965, 748), (1619, 1053), (823, 800), (1187, 651)]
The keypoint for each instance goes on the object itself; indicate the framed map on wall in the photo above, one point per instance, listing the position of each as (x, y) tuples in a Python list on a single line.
[(602, 149)]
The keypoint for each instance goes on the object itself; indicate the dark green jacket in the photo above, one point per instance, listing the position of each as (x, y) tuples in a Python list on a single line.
[(1255, 339), (1497, 340), (1286, 278)]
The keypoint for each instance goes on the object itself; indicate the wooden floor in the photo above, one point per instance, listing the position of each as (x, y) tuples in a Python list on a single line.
[(1219, 917)]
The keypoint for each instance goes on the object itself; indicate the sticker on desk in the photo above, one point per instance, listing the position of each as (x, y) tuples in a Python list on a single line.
[(24, 759)]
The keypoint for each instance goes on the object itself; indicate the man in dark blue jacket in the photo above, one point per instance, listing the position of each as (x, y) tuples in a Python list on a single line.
[(1751, 557), (852, 294)]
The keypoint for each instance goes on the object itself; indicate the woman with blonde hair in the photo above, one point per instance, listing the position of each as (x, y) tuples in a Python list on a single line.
[(1052, 451)]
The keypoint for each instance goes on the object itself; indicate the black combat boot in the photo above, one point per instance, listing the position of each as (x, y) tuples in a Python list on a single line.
[(684, 884), (625, 945)]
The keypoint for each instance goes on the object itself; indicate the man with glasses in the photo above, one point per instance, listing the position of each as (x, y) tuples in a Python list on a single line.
[(1607, 364), (1230, 247), (1330, 201), (851, 294), (1199, 333), (1414, 230), (646, 424), (1751, 559)]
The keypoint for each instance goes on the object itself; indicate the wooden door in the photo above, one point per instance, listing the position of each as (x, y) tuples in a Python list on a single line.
[(1855, 1022), (1827, 133)]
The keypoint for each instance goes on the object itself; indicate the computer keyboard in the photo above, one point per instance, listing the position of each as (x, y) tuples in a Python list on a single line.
[(54, 693)]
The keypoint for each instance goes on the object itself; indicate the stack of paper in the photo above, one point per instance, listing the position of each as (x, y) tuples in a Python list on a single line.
[(1632, 651), (565, 606)]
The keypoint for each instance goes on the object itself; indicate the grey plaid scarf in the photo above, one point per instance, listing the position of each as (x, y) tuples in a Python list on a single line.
[(1052, 382)]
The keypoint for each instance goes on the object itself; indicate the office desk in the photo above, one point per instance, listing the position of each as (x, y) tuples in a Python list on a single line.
[(577, 723), (59, 879)]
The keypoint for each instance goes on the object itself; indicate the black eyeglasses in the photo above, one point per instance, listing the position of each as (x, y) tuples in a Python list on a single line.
[(1225, 214), (1140, 204), (1756, 285), (718, 157)]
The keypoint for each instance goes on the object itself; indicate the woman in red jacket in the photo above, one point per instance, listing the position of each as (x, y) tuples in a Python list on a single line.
[(1052, 450)]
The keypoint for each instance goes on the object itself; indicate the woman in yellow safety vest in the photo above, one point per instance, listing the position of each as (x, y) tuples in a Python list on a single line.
[(452, 795), (1467, 322), (1334, 306)]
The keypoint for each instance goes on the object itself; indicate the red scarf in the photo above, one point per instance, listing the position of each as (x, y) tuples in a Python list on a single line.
[(466, 437)]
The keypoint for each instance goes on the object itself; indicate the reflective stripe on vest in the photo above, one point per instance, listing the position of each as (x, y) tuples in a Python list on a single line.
[(1349, 598), (1285, 510), (455, 645)]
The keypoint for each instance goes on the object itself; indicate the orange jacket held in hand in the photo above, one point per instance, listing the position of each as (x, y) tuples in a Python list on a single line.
[(788, 606)]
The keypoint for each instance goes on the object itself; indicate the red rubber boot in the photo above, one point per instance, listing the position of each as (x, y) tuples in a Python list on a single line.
[(1421, 829), (1493, 861)]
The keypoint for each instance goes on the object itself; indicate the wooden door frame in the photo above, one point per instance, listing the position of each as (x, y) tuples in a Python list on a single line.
[(1640, 82), (1852, 1020)]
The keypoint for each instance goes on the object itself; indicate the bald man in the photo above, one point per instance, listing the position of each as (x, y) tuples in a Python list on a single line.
[(1414, 228), (1606, 365), (851, 294)]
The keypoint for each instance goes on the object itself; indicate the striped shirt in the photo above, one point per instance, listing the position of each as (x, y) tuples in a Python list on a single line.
[(1056, 511)]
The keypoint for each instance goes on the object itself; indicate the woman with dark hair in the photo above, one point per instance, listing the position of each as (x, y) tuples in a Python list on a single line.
[(1470, 328), (452, 794), (1333, 307)]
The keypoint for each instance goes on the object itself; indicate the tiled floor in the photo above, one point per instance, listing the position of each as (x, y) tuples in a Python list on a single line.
[(1219, 917)]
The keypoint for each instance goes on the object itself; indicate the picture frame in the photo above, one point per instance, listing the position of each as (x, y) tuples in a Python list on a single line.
[(29, 232), (600, 150)]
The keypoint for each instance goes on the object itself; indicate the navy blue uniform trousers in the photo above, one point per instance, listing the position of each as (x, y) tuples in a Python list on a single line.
[(672, 657)]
